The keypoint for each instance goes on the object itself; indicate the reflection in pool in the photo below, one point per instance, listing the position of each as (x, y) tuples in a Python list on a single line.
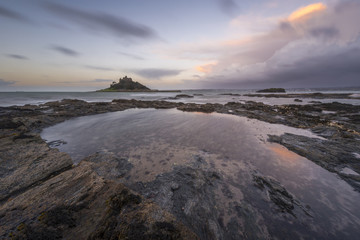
[(159, 142)]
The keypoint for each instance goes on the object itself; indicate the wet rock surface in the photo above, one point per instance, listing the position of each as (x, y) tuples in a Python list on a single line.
[(26, 160), (188, 193), (80, 204), (284, 200), (43, 196), (191, 194)]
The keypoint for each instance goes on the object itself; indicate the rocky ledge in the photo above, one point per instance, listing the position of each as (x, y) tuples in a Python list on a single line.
[(43, 196)]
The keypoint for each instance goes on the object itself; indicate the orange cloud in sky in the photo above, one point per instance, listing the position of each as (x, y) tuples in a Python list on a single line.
[(207, 68), (305, 11)]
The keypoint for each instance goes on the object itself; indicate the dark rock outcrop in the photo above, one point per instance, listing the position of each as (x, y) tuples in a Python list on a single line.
[(271, 90)]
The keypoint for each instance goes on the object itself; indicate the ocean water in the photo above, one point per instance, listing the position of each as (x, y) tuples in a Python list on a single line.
[(155, 141), (200, 96)]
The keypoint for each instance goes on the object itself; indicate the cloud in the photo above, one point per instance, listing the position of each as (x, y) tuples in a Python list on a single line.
[(338, 67), (4, 12), (229, 7), (207, 68), (324, 32), (65, 51), (87, 81), (102, 80), (98, 68), (155, 73), (4, 83), (16, 56), (133, 56), (317, 46), (306, 11), (102, 22)]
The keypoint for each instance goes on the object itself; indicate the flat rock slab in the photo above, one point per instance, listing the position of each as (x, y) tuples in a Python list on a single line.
[(25, 160)]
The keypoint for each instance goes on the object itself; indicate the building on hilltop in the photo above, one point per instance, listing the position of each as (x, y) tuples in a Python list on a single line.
[(127, 83)]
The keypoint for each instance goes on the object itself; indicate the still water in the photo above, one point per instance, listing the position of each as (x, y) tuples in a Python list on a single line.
[(157, 141)]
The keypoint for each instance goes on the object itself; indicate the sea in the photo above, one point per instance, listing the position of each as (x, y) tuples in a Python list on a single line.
[(199, 96)]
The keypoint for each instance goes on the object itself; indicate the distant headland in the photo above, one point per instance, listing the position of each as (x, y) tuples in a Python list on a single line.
[(126, 84)]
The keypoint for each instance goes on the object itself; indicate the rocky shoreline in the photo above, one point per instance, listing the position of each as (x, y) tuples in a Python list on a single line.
[(44, 196), (306, 95)]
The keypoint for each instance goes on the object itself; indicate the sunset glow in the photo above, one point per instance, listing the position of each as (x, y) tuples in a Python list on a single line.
[(207, 68), (305, 11)]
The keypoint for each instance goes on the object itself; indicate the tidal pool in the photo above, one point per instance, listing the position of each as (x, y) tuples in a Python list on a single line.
[(161, 144)]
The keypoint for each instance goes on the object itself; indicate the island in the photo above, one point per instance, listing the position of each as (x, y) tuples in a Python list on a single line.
[(272, 90), (126, 84)]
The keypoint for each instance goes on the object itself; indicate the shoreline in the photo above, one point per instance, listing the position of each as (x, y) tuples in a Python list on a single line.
[(43, 167)]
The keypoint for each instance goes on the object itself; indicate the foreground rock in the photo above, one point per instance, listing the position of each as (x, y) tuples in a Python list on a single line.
[(44, 197), (284, 200), (79, 204), (22, 167)]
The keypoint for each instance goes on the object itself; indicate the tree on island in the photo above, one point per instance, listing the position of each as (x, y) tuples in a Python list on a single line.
[(127, 83)]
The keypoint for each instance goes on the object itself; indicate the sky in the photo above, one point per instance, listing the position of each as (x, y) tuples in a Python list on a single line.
[(84, 45)]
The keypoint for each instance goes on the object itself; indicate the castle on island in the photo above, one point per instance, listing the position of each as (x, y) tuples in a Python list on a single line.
[(127, 83)]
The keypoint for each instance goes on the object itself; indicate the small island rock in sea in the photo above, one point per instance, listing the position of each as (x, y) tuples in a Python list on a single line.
[(126, 84), (272, 90)]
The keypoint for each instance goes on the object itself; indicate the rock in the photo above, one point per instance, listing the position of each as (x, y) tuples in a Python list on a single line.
[(277, 193), (26, 160), (179, 96), (56, 143), (188, 194), (271, 90), (183, 96), (45, 197), (126, 83), (193, 107), (109, 166), (230, 94), (79, 204)]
